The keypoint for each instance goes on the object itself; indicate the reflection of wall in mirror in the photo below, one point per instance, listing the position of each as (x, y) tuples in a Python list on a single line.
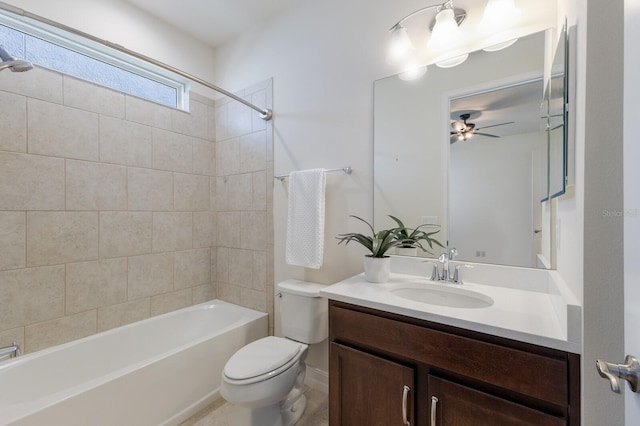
[(410, 124), (492, 200)]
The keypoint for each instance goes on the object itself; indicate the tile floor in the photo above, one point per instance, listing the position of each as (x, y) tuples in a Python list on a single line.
[(220, 413)]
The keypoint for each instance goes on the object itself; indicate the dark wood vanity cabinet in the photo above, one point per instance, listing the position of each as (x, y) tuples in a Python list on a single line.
[(453, 376)]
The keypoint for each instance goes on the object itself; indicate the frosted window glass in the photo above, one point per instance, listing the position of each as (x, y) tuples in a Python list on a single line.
[(52, 56)]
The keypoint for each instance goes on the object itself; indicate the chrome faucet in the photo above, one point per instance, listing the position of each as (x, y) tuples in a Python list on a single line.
[(446, 275), (10, 351)]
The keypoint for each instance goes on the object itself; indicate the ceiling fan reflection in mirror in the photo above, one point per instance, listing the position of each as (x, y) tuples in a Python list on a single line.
[(461, 130)]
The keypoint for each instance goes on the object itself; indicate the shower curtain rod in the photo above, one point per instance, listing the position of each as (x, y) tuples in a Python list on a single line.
[(264, 113)]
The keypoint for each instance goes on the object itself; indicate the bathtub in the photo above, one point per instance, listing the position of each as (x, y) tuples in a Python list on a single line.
[(159, 371)]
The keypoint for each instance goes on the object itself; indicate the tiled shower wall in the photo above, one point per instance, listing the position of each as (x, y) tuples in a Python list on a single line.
[(107, 208), (244, 201)]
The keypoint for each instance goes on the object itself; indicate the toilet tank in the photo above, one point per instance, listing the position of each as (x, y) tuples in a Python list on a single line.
[(304, 314)]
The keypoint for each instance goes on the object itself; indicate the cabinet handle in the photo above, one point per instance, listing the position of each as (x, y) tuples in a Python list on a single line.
[(405, 394), (434, 410)]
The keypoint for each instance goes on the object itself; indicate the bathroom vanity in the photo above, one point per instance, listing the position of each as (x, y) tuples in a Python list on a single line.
[(394, 360)]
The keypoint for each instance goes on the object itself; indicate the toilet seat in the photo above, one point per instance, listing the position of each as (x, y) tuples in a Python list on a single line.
[(262, 359)]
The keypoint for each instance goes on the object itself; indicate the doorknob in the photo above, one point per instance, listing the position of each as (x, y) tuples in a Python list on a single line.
[(629, 371)]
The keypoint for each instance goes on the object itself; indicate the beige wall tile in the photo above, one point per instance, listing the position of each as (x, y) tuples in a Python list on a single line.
[(190, 192), (253, 152), (31, 182), (150, 275), (92, 97), (61, 237), (148, 113), (240, 192), (228, 229), (241, 267), (60, 330), (31, 295), (204, 226), (259, 99), (96, 186), (62, 131), (253, 230), (38, 83), (204, 293), (259, 271), (163, 303), (227, 157), (123, 142), (259, 201), (172, 231), (172, 151), (220, 113), (221, 196), (192, 268), (238, 119), (13, 121), (193, 123), (125, 233), (12, 240), (253, 299), (125, 313), (95, 284), (222, 264), (214, 264), (150, 189), (14, 335), (229, 293), (203, 157)]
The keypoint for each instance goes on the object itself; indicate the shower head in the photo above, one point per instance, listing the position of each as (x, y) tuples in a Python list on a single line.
[(15, 65)]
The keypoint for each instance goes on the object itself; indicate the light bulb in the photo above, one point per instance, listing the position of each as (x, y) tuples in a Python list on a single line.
[(500, 46), (499, 15), (412, 71), (445, 32), (400, 47)]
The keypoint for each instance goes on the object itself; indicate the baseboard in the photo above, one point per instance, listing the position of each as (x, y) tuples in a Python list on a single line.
[(317, 379)]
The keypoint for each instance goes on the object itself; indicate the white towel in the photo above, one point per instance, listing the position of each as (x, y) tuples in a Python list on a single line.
[(305, 221)]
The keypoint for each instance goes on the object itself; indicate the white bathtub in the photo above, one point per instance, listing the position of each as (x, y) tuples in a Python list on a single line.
[(158, 371)]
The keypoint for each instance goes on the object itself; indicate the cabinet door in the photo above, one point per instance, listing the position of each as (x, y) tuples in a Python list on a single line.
[(459, 405), (368, 390)]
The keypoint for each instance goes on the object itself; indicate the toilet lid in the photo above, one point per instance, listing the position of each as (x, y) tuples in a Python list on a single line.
[(261, 357)]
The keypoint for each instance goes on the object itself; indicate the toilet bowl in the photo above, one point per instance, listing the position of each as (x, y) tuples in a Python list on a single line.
[(265, 378)]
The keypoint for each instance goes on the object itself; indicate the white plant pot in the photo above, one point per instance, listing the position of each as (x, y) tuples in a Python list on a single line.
[(407, 251), (377, 269)]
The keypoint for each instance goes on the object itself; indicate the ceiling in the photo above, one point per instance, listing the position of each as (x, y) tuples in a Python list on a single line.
[(212, 21)]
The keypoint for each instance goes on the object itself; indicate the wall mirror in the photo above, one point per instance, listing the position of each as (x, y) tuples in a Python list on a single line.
[(486, 192)]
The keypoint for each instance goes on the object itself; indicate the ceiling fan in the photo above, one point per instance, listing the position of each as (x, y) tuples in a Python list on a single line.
[(463, 131)]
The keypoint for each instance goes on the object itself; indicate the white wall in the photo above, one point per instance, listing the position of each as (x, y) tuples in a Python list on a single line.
[(324, 57), (120, 22)]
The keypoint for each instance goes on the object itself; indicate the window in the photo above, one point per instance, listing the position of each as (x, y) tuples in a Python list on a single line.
[(90, 61)]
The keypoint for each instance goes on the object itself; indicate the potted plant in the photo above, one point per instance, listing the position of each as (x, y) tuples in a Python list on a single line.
[(377, 265), (411, 237)]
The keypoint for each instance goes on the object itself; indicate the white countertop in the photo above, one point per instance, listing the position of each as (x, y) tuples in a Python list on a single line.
[(523, 315)]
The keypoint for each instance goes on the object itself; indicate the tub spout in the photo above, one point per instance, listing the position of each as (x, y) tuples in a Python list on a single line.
[(10, 351)]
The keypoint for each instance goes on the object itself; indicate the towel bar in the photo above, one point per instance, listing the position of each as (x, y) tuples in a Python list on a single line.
[(347, 170)]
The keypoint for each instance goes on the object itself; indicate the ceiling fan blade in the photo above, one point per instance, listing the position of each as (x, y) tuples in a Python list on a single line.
[(486, 134), (496, 125)]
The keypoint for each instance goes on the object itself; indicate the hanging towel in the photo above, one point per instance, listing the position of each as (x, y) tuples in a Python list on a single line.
[(305, 221)]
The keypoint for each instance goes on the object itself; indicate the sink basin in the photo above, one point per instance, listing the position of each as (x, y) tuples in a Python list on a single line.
[(441, 295)]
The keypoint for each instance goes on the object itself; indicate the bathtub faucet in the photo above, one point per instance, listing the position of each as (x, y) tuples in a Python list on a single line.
[(10, 351)]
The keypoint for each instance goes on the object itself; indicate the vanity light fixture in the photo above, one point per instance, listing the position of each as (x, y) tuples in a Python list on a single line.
[(444, 29)]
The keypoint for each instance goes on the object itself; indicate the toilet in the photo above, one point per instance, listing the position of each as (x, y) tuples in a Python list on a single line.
[(265, 378)]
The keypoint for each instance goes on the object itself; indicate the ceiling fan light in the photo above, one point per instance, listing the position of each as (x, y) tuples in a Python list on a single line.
[(499, 15), (445, 33), (400, 46), (452, 62)]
